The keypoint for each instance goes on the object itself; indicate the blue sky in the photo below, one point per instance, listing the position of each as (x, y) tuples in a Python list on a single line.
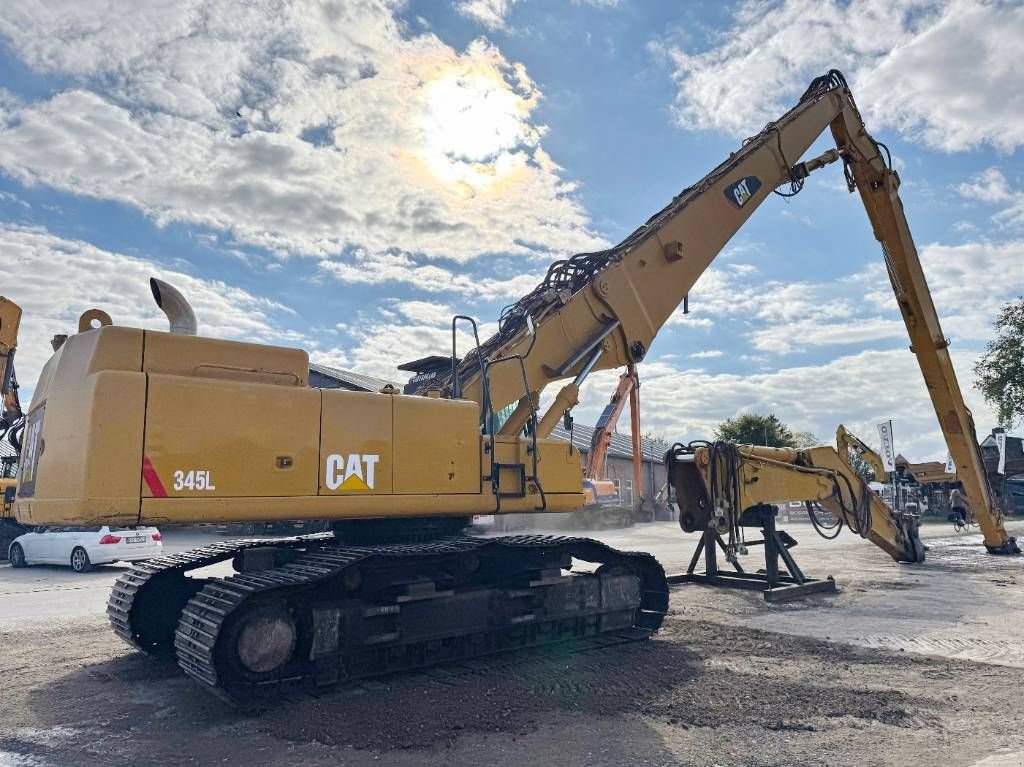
[(345, 176)]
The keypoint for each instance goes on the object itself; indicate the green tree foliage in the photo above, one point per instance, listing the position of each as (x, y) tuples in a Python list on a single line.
[(999, 374), (756, 429)]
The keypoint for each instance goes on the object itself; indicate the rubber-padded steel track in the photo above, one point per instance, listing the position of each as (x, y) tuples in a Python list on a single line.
[(328, 579)]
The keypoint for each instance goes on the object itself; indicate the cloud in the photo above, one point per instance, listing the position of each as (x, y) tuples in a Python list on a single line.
[(991, 187), (57, 279), (493, 14), (968, 283), (293, 126), (689, 404), (707, 354), (942, 73), (811, 331), (988, 186), (380, 268), (382, 340)]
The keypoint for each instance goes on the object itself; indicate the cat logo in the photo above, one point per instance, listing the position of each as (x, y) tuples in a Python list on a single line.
[(740, 192), (350, 472)]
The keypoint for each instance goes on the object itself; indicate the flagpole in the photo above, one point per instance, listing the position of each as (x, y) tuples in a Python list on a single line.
[(895, 485)]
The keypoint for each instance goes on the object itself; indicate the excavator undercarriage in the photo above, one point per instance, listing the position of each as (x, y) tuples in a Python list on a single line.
[(303, 614)]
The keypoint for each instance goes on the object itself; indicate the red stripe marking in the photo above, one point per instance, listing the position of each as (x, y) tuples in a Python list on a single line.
[(156, 487)]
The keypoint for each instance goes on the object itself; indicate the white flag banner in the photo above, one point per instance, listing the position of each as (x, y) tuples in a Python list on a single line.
[(888, 452), (950, 466), (1001, 444)]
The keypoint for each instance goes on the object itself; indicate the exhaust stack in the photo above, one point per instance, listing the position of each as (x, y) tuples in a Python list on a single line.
[(175, 306)]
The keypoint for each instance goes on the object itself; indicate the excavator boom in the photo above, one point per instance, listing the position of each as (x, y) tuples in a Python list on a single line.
[(10, 320), (715, 484), (604, 428), (600, 310), (11, 423), (878, 185)]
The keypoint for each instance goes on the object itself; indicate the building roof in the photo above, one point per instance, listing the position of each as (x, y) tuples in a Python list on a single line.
[(621, 444), (927, 472), (349, 380), (935, 471), (1014, 454), (430, 363)]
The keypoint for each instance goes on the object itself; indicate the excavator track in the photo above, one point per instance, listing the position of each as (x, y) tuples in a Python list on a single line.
[(304, 614)]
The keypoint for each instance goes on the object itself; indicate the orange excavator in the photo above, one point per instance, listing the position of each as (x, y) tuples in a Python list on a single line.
[(600, 490)]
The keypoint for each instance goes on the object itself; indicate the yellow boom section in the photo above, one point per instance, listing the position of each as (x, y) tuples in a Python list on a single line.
[(603, 310), (10, 319), (714, 485)]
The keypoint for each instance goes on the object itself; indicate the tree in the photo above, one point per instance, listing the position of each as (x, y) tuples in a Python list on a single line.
[(803, 439), (756, 429), (999, 374)]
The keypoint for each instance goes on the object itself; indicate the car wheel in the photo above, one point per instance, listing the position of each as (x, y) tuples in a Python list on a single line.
[(17, 556), (80, 560)]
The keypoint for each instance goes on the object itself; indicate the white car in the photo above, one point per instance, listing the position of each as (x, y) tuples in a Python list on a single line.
[(83, 547)]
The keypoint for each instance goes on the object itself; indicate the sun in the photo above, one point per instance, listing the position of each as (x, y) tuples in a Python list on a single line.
[(473, 128)]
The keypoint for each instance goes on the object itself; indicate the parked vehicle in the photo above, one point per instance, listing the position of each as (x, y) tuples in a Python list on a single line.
[(82, 547)]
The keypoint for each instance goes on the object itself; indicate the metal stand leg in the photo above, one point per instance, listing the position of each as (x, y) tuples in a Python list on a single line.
[(776, 586)]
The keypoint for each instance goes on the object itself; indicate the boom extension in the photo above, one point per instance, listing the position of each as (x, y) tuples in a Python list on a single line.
[(715, 484)]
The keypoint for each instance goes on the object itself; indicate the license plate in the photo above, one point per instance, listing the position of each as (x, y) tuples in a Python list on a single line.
[(136, 539)]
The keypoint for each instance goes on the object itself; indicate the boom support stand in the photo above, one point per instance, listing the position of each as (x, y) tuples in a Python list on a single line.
[(776, 586)]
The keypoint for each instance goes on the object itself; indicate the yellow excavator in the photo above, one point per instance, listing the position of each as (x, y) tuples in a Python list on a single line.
[(11, 424), (722, 488), (130, 426)]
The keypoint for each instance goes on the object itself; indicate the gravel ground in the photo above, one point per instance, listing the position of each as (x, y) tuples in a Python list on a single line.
[(728, 681)]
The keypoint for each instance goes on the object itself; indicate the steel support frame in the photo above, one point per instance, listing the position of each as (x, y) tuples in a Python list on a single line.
[(773, 583)]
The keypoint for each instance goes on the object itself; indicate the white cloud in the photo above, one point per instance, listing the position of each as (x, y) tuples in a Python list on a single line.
[(991, 187), (988, 186), (968, 283), (689, 404), (379, 268), (58, 279), (293, 126), (943, 72), (813, 331), (707, 354), (493, 14), (426, 312)]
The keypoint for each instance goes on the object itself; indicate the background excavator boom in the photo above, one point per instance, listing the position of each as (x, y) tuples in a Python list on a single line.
[(10, 320)]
